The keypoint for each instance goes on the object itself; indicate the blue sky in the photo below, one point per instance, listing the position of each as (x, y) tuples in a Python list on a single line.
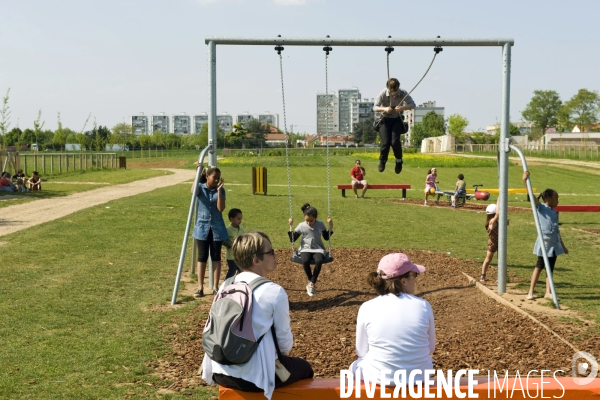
[(116, 58)]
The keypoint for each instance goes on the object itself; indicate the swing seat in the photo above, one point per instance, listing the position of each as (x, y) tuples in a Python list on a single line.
[(296, 258)]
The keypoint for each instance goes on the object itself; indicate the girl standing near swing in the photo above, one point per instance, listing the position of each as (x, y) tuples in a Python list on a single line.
[(312, 247)]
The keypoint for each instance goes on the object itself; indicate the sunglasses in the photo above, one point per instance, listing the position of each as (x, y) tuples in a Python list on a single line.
[(271, 252)]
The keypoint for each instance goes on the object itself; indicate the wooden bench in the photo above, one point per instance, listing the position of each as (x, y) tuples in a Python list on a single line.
[(376, 186), (329, 389)]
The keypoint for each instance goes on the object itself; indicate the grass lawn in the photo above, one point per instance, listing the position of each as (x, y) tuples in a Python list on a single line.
[(78, 181), (79, 316)]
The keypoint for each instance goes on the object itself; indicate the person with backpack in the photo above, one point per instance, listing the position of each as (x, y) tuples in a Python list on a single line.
[(258, 363)]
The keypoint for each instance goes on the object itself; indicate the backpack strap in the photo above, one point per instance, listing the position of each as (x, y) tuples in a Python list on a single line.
[(275, 341), (257, 282)]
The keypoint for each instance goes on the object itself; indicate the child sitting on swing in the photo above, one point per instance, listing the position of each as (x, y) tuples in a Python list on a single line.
[(312, 247)]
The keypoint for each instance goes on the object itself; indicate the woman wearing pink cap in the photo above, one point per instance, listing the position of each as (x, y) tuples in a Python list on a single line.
[(396, 330)]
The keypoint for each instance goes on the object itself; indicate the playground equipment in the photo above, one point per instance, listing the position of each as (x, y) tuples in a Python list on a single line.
[(504, 43), (539, 228), (207, 149), (296, 257), (577, 208), (461, 199)]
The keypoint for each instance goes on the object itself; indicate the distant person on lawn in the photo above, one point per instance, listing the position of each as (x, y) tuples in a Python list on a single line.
[(357, 173), (35, 182), (6, 184)]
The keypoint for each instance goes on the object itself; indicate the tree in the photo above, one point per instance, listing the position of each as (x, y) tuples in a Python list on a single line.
[(120, 133), (432, 125), (237, 135), (59, 136), (28, 136), (172, 141), (363, 131), (38, 124), (145, 141), (543, 109), (4, 117), (583, 109), (81, 139), (457, 124), (12, 137)]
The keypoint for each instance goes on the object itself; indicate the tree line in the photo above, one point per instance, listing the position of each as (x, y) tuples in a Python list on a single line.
[(249, 134)]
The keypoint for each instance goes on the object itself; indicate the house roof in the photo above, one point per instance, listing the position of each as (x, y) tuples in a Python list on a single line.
[(275, 136)]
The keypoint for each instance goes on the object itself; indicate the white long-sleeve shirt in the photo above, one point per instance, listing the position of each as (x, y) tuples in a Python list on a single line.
[(394, 333), (270, 304)]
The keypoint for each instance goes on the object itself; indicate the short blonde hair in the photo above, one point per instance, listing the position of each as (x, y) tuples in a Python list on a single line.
[(247, 246)]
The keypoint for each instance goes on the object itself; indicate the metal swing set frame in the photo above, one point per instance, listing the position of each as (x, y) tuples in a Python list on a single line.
[(388, 43)]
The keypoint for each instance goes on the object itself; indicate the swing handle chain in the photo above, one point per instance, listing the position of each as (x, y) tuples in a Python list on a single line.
[(327, 49), (279, 49)]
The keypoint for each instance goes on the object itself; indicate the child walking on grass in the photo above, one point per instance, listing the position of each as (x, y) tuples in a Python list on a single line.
[(491, 225), (312, 247), (552, 241), (234, 229)]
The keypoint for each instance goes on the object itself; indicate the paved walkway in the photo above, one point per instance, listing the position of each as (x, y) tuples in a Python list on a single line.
[(20, 216)]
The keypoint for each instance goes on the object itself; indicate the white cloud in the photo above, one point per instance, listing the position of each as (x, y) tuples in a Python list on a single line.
[(208, 2), (290, 2)]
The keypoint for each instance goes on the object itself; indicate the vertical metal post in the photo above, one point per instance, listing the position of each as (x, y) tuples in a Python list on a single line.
[(212, 100), (538, 226), (189, 223), (503, 169)]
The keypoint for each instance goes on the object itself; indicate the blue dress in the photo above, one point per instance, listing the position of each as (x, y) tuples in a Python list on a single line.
[(550, 232), (208, 216)]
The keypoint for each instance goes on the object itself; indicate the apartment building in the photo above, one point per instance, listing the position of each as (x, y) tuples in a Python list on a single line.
[(415, 116), (139, 124), (345, 99), (161, 123), (327, 113), (182, 124), (360, 110)]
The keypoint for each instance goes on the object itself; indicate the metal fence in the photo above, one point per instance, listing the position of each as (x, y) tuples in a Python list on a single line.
[(56, 163), (582, 150)]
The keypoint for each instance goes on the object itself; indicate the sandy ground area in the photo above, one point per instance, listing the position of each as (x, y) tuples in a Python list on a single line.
[(18, 217)]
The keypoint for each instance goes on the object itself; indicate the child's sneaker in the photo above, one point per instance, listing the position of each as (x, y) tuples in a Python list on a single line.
[(199, 293), (425, 203), (310, 289), (437, 202)]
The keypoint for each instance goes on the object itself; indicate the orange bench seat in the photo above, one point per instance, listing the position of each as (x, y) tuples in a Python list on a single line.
[(329, 389), (401, 186)]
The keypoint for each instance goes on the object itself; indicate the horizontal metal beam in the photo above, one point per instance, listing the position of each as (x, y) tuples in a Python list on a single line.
[(311, 41)]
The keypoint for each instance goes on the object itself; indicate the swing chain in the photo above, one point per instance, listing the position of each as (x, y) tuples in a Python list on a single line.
[(279, 49), (327, 49), (388, 50)]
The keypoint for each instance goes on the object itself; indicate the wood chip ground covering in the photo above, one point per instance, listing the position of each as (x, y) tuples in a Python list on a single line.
[(473, 330)]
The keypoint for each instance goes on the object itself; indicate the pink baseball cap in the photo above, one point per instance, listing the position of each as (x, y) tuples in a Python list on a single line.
[(396, 264)]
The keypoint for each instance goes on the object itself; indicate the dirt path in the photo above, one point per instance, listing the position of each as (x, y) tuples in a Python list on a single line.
[(18, 217)]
